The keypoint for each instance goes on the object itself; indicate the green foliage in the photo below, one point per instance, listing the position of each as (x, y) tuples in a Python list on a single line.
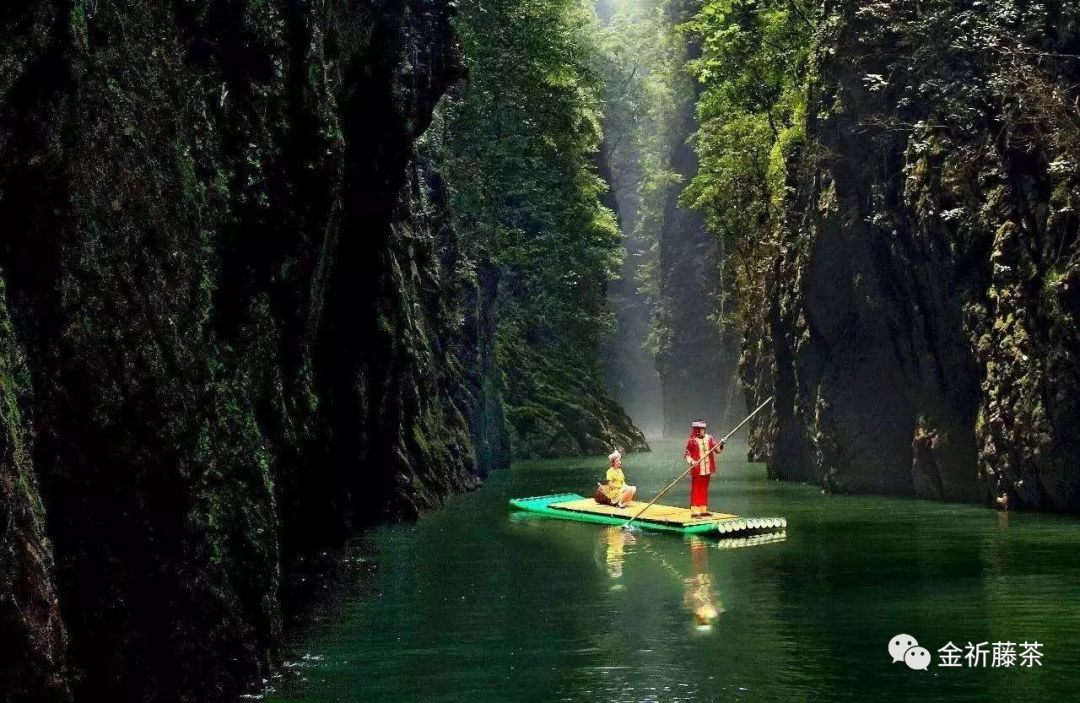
[(518, 154), (752, 115), (517, 146)]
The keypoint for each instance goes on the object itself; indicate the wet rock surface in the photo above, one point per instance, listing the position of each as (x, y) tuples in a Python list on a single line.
[(919, 327)]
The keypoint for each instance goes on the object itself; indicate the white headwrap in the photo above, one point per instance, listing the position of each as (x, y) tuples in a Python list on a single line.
[(613, 456)]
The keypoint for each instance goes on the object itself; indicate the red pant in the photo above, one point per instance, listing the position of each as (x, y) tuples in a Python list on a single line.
[(699, 489)]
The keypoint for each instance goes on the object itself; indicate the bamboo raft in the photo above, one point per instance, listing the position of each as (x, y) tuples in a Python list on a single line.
[(661, 518)]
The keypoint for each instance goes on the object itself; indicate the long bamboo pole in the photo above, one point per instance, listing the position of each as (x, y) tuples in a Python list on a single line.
[(720, 444)]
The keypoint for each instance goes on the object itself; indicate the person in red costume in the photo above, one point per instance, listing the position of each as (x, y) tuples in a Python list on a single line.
[(699, 444)]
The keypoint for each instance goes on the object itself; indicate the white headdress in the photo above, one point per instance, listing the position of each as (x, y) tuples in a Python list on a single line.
[(614, 455)]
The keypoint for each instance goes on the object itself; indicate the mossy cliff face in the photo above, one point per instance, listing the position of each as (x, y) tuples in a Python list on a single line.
[(919, 328), (560, 408), (31, 632), (237, 315)]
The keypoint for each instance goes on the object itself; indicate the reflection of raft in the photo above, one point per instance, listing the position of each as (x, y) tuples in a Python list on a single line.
[(663, 518)]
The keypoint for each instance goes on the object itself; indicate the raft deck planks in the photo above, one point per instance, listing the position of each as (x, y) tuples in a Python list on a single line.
[(663, 518), (667, 514)]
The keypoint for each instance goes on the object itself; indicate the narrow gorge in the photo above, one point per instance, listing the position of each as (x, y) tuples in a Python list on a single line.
[(273, 272)]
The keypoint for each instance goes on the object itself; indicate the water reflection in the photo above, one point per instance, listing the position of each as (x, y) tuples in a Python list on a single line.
[(701, 598), (751, 540), (616, 540), (700, 595), (479, 603)]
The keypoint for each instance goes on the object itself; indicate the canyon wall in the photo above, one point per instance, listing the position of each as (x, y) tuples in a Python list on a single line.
[(919, 326), (234, 320)]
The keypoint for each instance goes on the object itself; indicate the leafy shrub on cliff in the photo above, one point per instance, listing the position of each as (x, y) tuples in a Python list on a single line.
[(752, 112)]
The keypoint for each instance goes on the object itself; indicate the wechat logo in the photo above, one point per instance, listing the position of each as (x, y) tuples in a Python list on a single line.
[(905, 648)]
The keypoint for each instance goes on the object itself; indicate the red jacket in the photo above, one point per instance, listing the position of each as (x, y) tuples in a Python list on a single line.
[(693, 451)]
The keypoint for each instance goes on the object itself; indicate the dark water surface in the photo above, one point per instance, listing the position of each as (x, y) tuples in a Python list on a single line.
[(474, 603)]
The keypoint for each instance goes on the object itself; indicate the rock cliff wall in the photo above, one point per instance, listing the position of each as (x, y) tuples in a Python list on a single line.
[(234, 315), (919, 327)]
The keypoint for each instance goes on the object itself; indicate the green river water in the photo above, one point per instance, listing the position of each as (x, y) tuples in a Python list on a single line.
[(476, 603)]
